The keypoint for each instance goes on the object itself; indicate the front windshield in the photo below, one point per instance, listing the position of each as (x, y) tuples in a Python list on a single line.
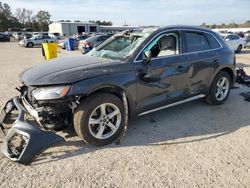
[(121, 46)]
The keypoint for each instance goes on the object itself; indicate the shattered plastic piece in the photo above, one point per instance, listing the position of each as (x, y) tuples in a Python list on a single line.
[(25, 141)]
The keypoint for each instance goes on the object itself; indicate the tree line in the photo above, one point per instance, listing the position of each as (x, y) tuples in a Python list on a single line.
[(223, 25), (23, 18)]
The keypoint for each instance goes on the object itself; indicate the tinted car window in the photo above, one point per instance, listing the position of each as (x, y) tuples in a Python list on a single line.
[(92, 39), (46, 37), (102, 38), (38, 38), (230, 37), (235, 37), (195, 42), (247, 38), (81, 37), (213, 43)]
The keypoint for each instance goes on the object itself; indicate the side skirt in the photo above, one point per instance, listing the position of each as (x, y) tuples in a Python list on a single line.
[(174, 104)]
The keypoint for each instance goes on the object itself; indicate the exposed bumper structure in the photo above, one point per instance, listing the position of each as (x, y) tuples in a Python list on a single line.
[(24, 141)]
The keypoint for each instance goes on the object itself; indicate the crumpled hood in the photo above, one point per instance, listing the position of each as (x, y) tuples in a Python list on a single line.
[(68, 70)]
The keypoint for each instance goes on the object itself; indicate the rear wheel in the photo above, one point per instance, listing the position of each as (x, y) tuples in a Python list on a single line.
[(30, 45), (220, 89), (100, 119), (239, 49)]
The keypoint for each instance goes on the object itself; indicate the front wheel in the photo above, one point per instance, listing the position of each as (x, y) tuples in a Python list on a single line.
[(30, 45), (220, 89), (100, 119)]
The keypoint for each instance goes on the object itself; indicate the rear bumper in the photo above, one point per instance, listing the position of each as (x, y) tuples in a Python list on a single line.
[(32, 139)]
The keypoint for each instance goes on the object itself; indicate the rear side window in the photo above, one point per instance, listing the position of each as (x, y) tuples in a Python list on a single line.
[(235, 37), (195, 42), (102, 38), (92, 39), (46, 37), (213, 43)]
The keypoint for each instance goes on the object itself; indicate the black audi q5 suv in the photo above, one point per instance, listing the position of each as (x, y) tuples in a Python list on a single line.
[(133, 73)]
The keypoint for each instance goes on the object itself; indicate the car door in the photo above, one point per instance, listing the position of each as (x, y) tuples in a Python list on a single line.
[(163, 79), (230, 42), (46, 39), (201, 51), (236, 41), (38, 40)]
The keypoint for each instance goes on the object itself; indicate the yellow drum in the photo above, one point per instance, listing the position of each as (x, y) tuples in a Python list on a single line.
[(50, 50)]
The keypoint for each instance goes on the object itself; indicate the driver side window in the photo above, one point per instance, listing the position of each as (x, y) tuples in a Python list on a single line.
[(164, 45)]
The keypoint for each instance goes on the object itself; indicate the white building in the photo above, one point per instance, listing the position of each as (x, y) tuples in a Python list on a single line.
[(70, 28), (233, 29)]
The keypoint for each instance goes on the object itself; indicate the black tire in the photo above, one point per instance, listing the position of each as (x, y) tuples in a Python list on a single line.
[(83, 114), (211, 97), (30, 45), (239, 49)]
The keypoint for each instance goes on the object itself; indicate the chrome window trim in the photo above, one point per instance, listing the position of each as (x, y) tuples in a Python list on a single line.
[(194, 30)]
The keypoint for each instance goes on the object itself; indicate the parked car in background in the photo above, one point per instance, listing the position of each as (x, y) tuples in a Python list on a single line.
[(36, 41), (247, 41), (240, 34), (4, 38), (234, 42), (26, 36), (55, 35), (40, 34), (77, 38), (94, 41), (9, 34), (17, 36)]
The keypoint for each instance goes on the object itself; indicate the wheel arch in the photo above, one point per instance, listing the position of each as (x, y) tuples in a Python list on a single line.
[(226, 69), (29, 43), (114, 90), (229, 71)]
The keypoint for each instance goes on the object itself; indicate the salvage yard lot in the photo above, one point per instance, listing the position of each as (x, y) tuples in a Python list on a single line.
[(191, 145)]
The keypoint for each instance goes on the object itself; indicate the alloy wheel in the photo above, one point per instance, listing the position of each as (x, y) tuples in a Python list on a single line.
[(222, 88), (104, 121)]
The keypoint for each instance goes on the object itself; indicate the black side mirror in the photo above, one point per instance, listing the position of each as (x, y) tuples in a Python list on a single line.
[(147, 57)]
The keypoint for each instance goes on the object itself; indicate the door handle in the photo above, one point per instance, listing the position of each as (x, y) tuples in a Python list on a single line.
[(180, 68), (215, 61)]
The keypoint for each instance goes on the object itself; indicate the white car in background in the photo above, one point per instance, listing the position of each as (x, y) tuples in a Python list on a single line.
[(234, 42), (36, 41)]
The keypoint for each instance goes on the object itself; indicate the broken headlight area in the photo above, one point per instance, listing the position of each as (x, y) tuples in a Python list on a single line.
[(50, 93)]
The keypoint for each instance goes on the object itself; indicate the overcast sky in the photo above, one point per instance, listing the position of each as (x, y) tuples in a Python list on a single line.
[(142, 12)]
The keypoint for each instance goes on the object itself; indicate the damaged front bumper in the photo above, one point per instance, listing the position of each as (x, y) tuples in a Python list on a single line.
[(24, 141)]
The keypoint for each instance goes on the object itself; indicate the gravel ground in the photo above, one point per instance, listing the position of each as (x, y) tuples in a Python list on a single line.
[(192, 145)]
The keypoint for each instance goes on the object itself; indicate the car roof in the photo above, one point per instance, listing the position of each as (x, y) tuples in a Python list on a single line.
[(184, 27)]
